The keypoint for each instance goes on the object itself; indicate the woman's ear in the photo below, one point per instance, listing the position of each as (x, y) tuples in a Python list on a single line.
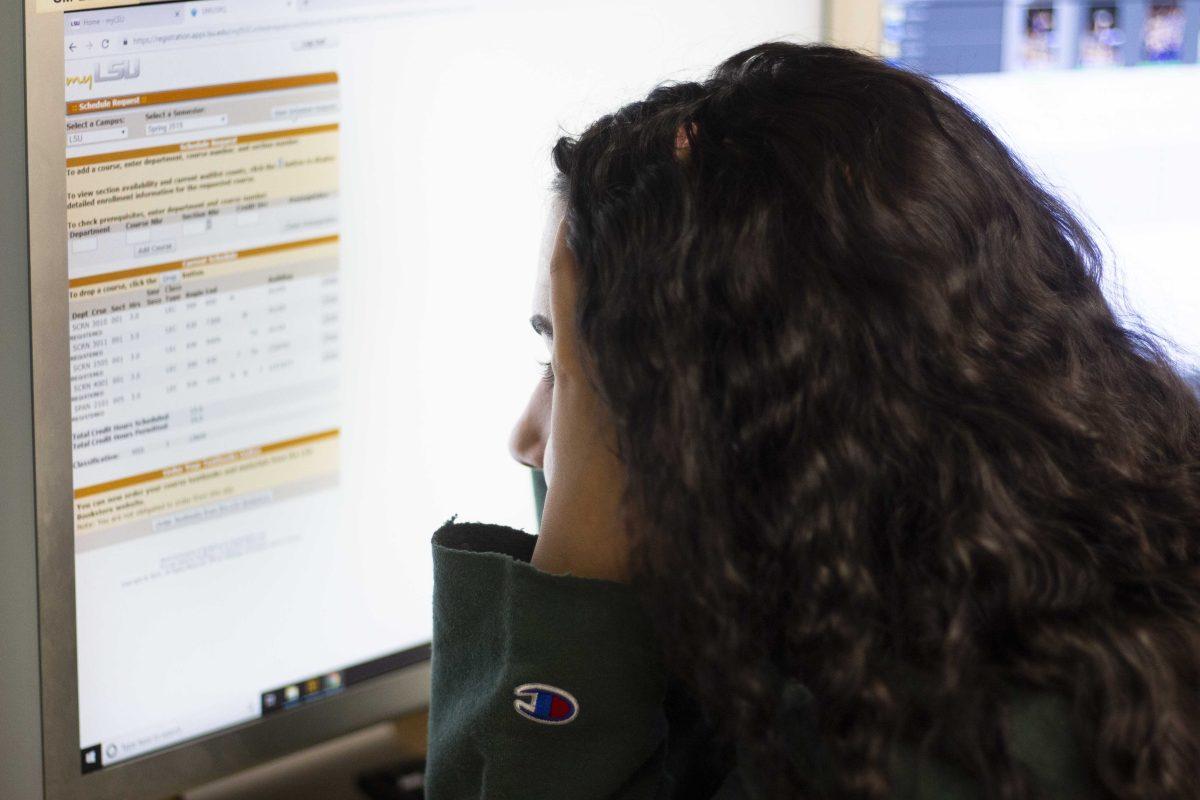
[(684, 136)]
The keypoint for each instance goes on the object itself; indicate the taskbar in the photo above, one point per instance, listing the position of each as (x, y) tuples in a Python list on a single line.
[(319, 687), (283, 698)]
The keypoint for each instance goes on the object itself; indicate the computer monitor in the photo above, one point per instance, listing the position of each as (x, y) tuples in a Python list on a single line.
[(267, 266), (1098, 98)]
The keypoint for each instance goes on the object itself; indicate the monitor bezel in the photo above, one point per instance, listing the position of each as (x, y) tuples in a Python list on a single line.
[(20, 692), (196, 761)]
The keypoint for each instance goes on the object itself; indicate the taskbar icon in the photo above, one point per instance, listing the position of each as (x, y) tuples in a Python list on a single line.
[(90, 759)]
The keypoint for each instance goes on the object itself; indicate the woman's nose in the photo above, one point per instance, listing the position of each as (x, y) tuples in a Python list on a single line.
[(527, 444)]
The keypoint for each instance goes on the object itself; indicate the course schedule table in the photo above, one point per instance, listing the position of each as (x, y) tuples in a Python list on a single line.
[(178, 363), (211, 329)]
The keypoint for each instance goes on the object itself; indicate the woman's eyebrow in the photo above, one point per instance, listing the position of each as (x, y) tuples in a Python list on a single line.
[(542, 325)]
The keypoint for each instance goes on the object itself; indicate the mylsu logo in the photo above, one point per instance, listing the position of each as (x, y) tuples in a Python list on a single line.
[(119, 70), (548, 705)]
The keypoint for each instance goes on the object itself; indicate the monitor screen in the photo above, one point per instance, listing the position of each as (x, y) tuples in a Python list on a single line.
[(1097, 98), (301, 240)]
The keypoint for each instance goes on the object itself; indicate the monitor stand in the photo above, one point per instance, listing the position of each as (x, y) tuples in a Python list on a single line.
[(331, 770)]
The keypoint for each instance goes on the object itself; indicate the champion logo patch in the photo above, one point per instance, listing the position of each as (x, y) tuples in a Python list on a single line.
[(548, 705)]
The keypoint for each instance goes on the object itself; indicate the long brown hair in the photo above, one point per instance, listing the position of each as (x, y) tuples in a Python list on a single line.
[(880, 423)]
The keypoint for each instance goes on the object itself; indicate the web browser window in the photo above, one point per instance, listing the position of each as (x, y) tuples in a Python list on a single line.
[(301, 245), (205, 265), (1097, 96)]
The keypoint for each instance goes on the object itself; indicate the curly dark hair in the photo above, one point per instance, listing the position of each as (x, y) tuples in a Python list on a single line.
[(884, 431)]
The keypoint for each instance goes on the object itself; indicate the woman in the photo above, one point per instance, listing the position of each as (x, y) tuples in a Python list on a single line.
[(842, 438)]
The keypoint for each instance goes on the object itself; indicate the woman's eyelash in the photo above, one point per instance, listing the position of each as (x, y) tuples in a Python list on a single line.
[(547, 371)]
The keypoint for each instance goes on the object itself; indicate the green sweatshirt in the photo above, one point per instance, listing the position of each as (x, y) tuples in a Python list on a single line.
[(550, 686)]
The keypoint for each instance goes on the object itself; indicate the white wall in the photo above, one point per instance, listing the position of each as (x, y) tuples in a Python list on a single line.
[(455, 202)]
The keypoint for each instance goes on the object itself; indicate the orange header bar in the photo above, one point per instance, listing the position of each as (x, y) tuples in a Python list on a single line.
[(201, 144), (212, 461), (199, 93), (203, 261)]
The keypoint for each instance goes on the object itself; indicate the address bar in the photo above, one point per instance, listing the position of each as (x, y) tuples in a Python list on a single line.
[(320, 14)]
